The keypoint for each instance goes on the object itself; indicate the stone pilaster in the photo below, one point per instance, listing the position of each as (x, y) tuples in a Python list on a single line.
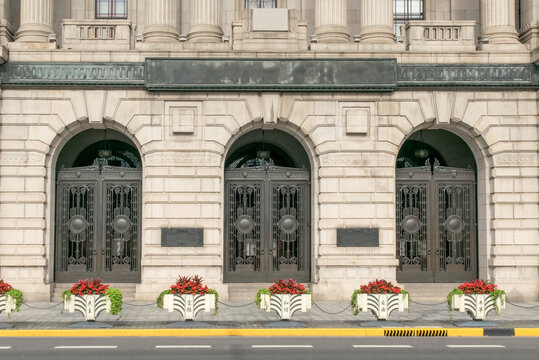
[(161, 21), (498, 22), (205, 24), (36, 21), (377, 21), (330, 21)]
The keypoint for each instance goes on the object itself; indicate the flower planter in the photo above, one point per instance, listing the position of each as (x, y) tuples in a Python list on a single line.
[(189, 305), (382, 305), (90, 306), (285, 305), (477, 305), (7, 303)]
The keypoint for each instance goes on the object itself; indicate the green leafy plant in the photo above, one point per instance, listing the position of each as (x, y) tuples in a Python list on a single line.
[(66, 295), (18, 296), (478, 286), (8, 290), (377, 287), (115, 296), (259, 293), (161, 296)]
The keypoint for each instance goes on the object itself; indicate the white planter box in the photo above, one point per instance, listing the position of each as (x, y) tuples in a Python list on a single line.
[(90, 306), (382, 305), (7, 303), (285, 305), (189, 305), (477, 305)]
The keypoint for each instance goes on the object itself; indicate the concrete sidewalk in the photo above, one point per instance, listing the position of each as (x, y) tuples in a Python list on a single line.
[(243, 316)]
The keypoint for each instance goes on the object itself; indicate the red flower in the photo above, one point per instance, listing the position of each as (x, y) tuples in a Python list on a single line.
[(380, 287)]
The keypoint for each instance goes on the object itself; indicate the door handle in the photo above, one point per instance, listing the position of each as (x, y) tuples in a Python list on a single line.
[(270, 252), (103, 252), (261, 252), (94, 252), (437, 252), (429, 252)]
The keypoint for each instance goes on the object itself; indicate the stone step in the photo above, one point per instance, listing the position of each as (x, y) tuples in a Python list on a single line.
[(128, 290), (428, 292), (245, 292)]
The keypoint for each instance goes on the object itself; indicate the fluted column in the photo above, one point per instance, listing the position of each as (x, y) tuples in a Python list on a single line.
[(161, 21), (330, 21), (377, 21), (36, 21), (205, 24), (498, 21)]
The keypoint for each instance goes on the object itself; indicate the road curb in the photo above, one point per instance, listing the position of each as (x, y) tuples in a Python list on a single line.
[(313, 332)]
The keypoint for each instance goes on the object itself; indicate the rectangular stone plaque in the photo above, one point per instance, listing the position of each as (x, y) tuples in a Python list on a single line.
[(357, 238), (325, 75), (182, 237)]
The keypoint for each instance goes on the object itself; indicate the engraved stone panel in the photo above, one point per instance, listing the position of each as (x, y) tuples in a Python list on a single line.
[(182, 237), (357, 238)]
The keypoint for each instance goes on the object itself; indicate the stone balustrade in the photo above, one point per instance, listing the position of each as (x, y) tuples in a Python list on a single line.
[(97, 34), (440, 36)]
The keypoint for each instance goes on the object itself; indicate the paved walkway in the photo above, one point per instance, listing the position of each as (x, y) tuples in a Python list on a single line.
[(235, 315)]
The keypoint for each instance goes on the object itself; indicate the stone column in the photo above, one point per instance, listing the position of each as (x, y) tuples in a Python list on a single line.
[(330, 21), (161, 21), (377, 21), (205, 24), (498, 21), (36, 21)]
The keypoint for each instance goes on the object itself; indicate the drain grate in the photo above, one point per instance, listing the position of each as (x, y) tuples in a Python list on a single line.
[(416, 332)]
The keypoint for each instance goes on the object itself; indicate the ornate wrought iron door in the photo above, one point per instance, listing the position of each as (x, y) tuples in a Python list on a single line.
[(436, 229), (97, 224), (266, 224)]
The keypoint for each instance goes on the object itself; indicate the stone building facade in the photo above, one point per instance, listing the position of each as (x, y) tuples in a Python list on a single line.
[(249, 140)]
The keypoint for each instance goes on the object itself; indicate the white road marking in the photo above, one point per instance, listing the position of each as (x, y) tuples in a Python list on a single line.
[(280, 346), (5, 347), (87, 347), (382, 346), (183, 346), (475, 346)]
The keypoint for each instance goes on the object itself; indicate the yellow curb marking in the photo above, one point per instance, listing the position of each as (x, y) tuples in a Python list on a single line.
[(321, 332), (526, 332)]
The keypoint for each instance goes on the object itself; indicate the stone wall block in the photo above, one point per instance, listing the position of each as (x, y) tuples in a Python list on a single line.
[(95, 101)]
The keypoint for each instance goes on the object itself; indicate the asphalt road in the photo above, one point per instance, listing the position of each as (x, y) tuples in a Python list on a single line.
[(296, 348)]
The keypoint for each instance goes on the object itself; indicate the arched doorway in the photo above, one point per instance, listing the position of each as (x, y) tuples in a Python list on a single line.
[(267, 209), (98, 201), (436, 209)]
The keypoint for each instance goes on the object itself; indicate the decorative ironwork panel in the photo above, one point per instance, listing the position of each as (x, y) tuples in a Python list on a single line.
[(244, 226), (121, 226), (412, 220), (97, 232), (435, 218), (76, 227), (454, 215), (288, 226)]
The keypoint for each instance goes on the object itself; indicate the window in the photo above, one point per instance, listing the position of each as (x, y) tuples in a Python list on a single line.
[(254, 4), (111, 9), (405, 10)]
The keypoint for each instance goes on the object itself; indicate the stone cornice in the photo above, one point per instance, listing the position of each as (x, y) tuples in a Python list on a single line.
[(281, 75)]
